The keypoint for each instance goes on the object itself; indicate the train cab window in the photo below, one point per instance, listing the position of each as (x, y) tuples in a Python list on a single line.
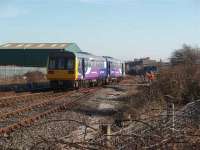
[(52, 63), (61, 63), (70, 64)]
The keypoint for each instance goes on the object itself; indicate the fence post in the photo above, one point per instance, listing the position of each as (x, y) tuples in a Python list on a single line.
[(170, 110), (173, 118), (106, 130)]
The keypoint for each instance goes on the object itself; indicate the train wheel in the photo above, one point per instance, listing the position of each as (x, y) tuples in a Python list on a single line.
[(76, 84), (54, 85), (107, 81), (84, 84), (99, 82), (80, 84)]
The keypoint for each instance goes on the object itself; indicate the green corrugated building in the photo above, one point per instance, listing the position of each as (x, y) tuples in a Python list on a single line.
[(32, 54)]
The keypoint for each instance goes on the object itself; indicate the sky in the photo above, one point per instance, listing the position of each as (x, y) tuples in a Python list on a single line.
[(124, 29)]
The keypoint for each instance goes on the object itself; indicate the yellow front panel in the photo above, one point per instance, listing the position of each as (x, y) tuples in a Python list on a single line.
[(64, 74), (60, 75), (76, 68)]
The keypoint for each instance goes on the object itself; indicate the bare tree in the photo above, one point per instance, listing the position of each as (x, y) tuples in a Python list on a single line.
[(187, 56)]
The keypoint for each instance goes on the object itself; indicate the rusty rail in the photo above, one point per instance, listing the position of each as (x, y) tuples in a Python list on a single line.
[(24, 109), (28, 97), (32, 119)]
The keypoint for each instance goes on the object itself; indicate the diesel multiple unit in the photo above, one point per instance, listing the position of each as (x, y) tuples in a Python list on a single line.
[(76, 69)]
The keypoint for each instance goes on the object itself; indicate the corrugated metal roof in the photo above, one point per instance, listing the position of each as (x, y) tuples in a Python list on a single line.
[(35, 45)]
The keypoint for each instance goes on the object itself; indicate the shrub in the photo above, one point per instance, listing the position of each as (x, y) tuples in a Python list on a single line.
[(182, 79)]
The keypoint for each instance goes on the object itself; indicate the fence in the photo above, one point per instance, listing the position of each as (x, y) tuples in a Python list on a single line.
[(18, 75), (7, 72)]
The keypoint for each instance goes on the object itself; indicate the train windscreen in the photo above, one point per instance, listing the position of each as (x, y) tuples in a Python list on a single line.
[(61, 63)]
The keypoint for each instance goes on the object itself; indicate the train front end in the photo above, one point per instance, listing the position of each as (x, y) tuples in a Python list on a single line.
[(62, 70)]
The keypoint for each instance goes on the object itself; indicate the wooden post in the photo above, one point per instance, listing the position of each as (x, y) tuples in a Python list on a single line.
[(168, 100), (106, 130), (170, 110)]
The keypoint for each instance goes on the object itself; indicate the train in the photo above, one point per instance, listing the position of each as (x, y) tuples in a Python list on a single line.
[(82, 69)]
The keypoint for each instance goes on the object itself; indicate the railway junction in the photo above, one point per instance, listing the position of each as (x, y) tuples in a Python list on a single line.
[(25, 116), (102, 108)]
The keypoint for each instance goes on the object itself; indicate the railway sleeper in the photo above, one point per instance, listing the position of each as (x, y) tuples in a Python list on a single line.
[(31, 120), (11, 101), (19, 111)]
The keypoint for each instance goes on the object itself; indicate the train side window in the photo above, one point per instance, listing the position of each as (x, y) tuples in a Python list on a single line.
[(70, 64), (86, 65), (52, 63), (105, 64), (111, 65), (79, 63), (89, 63), (100, 64), (94, 63)]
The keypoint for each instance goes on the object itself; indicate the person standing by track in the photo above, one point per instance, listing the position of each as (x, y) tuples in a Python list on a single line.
[(150, 76)]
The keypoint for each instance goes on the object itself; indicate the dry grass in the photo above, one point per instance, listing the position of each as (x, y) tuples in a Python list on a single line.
[(182, 82)]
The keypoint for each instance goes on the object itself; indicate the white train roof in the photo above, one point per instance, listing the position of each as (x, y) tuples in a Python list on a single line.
[(89, 56), (111, 59)]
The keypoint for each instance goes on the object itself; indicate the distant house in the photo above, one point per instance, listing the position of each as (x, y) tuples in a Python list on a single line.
[(139, 66)]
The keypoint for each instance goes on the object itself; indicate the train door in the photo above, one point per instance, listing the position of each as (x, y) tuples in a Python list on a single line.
[(83, 67), (108, 68), (122, 69)]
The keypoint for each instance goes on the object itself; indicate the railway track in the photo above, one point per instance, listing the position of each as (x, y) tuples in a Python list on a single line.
[(10, 104), (26, 116), (44, 102), (7, 101)]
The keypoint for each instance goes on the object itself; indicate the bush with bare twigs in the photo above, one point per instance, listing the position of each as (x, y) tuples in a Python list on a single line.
[(181, 80), (35, 76)]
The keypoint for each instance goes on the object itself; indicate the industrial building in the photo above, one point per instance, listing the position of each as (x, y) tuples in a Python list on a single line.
[(139, 66), (17, 59), (31, 54)]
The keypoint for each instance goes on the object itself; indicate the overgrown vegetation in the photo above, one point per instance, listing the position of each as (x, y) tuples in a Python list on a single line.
[(162, 125), (182, 78)]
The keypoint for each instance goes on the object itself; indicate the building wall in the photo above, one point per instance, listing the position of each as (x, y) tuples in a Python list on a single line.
[(30, 57), (7, 72), (26, 58)]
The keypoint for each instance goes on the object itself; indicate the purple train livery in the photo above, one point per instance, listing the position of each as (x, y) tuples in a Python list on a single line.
[(69, 69)]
